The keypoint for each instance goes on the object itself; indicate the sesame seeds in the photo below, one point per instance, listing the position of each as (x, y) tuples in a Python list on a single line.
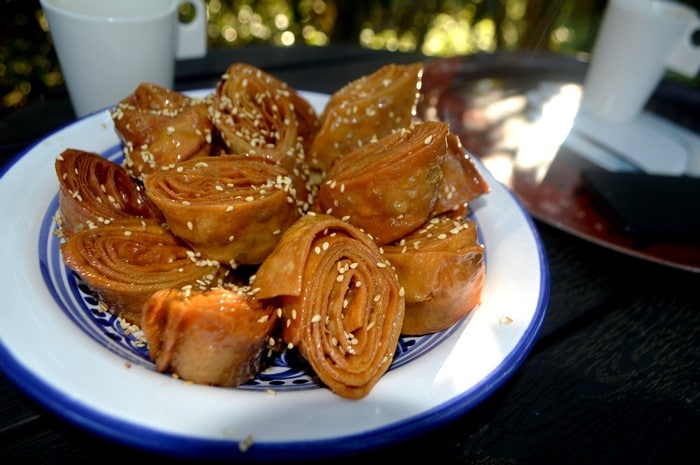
[(505, 320), (245, 444)]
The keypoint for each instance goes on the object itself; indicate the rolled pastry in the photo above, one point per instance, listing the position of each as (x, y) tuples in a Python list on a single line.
[(442, 269), (342, 303), (95, 191), (365, 109), (217, 337), (229, 208), (257, 114), (160, 127), (126, 262), (388, 187)]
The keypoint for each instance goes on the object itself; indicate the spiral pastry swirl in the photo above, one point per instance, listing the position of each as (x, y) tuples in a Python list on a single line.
[(229, 208), (126, 262), (342, 305), (95, 191), (256, 113)]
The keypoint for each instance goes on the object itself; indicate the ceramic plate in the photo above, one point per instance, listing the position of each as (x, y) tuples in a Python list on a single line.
[(80, 364)]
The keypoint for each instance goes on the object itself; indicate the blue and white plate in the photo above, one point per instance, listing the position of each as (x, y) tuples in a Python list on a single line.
[(80, 363)]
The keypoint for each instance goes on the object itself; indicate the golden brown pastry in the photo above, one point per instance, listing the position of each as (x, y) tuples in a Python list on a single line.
[(160, 127), (388, 187), (365, 109), (257, 114), (95, 191), (461, 182), (229, 208), (442, 269), (342, 303), (125, 262), (217, 337)]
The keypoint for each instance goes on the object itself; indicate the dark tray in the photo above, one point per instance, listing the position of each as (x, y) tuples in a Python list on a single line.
[(495, 102)]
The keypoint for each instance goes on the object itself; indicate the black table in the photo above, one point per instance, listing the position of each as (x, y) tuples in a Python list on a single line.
[(614, 377)]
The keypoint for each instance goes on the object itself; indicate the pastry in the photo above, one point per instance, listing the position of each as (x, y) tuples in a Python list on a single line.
[(388, 187), (342, 305), (218, 337), (125, 262), (95, 191), (441, 267), (229, 208), (366, 109), (160, 127)]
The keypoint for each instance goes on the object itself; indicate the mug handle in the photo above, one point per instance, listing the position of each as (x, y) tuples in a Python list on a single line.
[(192, 36), (685, 57)]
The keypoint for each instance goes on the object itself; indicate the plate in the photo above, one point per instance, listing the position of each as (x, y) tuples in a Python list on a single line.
[(80, 364), (518, 114)]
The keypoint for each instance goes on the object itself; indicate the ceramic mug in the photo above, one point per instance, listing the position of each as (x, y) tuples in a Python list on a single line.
[(638, 41), (106, 48)]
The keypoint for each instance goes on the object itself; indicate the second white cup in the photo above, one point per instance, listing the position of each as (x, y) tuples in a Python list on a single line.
[(637, 42), (106, 48)]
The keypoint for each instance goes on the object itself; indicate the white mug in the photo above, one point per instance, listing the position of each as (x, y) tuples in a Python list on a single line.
[(106, 48), (637, 42)]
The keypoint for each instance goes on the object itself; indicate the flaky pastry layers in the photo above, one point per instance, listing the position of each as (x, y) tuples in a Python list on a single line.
[(367, 108), (95, 191), (342, 303), (160, 127), (442, 269), (461, 182), (229, 208), (126, 262), (257, 114), (217, 337), (388, 187)]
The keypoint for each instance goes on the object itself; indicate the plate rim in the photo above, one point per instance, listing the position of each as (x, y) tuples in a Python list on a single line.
[(131, 433)]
